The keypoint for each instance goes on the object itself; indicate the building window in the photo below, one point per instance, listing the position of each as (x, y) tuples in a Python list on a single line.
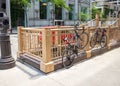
[(71, 11), (84, 10), (43, 9), (58, 12)]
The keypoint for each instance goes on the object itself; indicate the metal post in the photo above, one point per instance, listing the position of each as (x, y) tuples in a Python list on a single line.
[(52, 11), (74, 12), (52, 17), (25, 21), (90, 11), (78, 11), (6, 60), (9, 13)]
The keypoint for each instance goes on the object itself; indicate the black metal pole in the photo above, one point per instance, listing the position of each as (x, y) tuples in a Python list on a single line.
[(6, 60)]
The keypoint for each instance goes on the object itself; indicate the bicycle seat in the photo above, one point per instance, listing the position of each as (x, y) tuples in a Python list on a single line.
[(104, 30)]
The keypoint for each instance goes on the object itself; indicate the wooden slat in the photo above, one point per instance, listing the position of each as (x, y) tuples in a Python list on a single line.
[(46, 45), (20, 39)]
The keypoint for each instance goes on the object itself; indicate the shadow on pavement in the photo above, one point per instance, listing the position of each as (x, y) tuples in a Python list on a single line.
[(29, 70)]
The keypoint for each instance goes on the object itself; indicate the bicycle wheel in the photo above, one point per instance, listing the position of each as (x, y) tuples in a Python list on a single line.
[(83, 40), (93, 40), (103, 41), (67, 58)]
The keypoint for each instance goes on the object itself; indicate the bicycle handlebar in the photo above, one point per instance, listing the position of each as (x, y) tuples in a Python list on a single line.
[(83, 28), (75, 29)]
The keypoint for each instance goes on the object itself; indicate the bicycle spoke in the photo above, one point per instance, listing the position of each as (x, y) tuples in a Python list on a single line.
[(103, 41), (67, 58), (83, 40), (93, 41)]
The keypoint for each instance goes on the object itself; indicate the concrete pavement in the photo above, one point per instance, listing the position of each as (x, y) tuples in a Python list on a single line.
[(101, 70)]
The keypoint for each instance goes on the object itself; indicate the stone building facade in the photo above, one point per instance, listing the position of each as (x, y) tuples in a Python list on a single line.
[(46, 14)]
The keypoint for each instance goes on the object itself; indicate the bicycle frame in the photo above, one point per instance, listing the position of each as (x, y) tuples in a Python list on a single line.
[(98, 38), (74, 47), (98, 34), (71, 49)]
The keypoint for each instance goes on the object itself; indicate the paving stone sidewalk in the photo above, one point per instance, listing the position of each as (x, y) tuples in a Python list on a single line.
[(103, 70)]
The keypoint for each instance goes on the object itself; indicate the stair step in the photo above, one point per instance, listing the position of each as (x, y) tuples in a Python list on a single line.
[(30, 60)]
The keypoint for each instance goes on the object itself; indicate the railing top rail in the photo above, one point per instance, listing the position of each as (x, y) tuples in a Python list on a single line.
[(65, 26), (90, 21), (39, 28), (32, 29), (62, 28), (114, 22)]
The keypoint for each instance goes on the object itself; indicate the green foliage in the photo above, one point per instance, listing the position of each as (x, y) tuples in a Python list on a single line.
[(18, 8), (84, 16), (106, 12), (17, 12), (22, 3), (101, 15), (59, 3), (26, 3), (96, 11)]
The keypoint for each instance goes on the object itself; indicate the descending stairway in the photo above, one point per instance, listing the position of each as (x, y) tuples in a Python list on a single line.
[(30, 60)]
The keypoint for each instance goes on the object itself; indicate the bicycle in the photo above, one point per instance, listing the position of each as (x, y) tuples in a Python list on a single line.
[(71, 50), (99, 37)]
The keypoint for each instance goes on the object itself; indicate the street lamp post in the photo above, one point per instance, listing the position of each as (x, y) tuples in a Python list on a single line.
[(79, 19), (66, 13), (6, 60), (52, 12), (52, 16)]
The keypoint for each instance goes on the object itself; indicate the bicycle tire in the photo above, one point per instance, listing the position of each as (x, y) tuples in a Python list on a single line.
[(93, 40), (103, 41), (67, 58), (83, 40)]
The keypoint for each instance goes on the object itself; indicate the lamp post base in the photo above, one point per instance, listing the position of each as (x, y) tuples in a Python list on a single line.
[(6, 60), (7, 63)]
